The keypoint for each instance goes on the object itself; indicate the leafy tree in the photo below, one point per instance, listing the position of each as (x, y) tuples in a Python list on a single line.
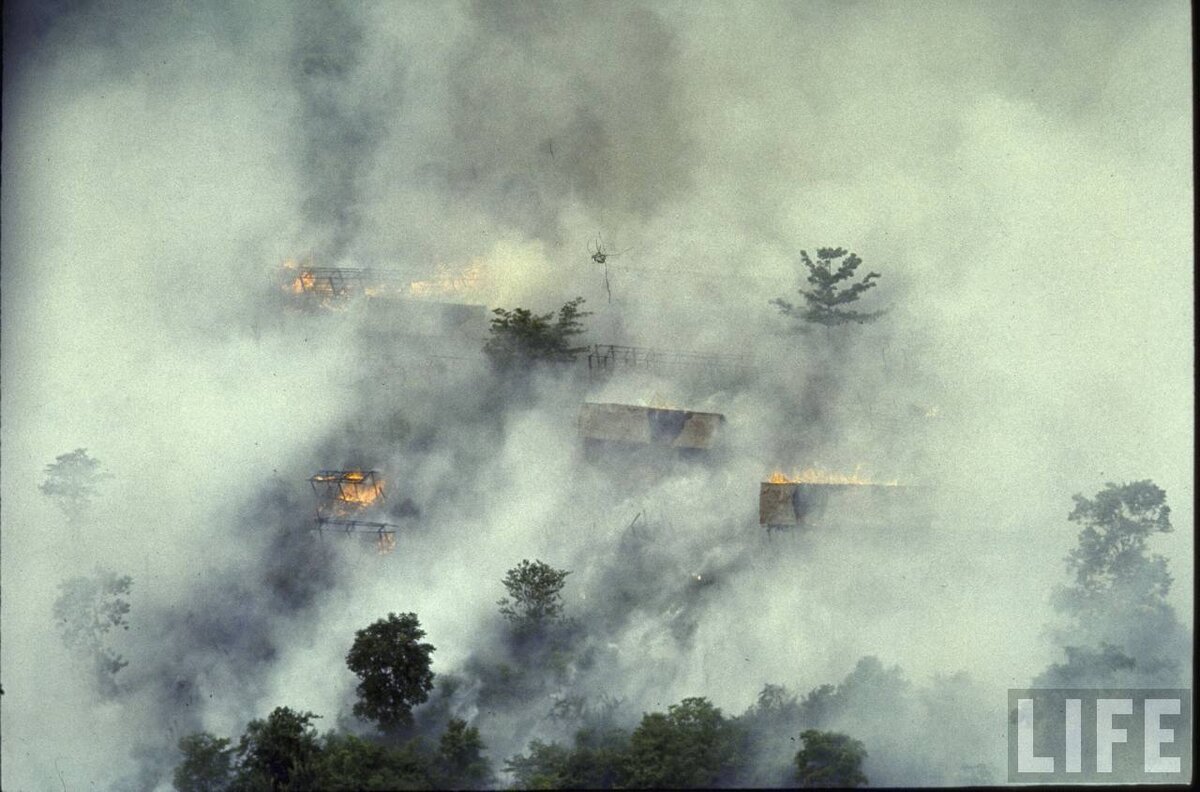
[(86, 611), (824, 302), (347, 762), (820, 703), (597, 761), (1111, 557), (771, 725), (691, 746), (520, 337), (279, 753), (534, 595), (1117, 599), (71, 481), (460, 763), (829, 759), (207, 764), (393, 666), (544, 768)]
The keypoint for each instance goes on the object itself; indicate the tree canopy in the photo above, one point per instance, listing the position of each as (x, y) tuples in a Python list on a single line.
[(71, 481), (829, 759), (1120, 624), (825, 303), (1112, 545), (691, 746), (283, 752), (460, 763), (279, 752), (598, 760), (347, 762), (207, 764), (394, 668), (520, 337), (534, 595), (87, 609)]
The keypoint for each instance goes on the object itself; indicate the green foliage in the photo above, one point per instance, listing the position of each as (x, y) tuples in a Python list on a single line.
[(829, 759), (279, 753), (544, 768), (520, 337), (394, 668), (284, 753), (71, 483), (86, 610), (825, 300), (691, 746), (207, 764), (597, 761), (460, 763), (534, 595), (347, 762)]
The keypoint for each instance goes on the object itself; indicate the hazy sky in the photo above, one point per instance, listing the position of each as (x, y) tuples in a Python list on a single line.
[(1020, 172)]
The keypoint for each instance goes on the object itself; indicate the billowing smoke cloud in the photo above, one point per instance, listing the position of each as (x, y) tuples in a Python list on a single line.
[(1019, 176)]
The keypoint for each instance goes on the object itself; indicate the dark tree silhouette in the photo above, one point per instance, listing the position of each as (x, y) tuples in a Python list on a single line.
[(278, 753), (207, 764), (825, 303), (460, 763), (1119, 623), (393, 666), (829, 759), (691, 746), (520, 337)]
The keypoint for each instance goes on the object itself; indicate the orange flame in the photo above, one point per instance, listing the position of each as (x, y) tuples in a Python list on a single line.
[(304, 282), (353, 493), (301, 279), (815, 475)]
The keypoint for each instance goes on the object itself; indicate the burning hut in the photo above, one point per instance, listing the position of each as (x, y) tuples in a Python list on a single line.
[(343, 496), (406, 318), (342, 492), (630, 426)]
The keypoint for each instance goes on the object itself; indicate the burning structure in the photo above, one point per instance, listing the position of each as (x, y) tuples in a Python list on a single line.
[(330, 283), (800, 500), (343, 492), (343, 496), (405, 318), (338, 282), (631, 426)]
